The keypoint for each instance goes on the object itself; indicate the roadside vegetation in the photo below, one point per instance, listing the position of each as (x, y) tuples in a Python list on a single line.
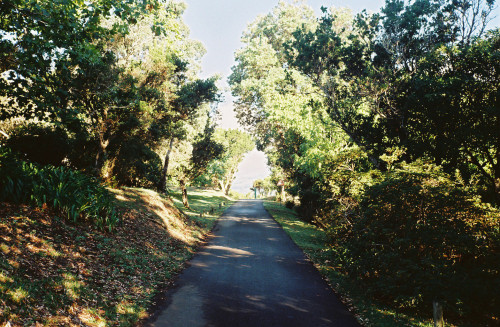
[(56, 272), (326, 254), (384, 130), (206, 205)]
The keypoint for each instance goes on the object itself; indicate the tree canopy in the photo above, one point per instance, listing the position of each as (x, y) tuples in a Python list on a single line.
[(381, 126), (116, 80)]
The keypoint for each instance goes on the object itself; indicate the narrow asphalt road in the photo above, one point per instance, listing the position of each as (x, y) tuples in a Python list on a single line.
[(251, 274)]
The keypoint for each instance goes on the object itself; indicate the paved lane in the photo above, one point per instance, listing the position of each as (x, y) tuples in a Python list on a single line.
[(251, 274)]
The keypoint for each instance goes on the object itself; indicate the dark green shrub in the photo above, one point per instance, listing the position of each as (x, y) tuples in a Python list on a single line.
[(76, 195), (15, 185), (83, 152), (418, 237), (310, 201), (289, 204), (137, 165), (41, 143)]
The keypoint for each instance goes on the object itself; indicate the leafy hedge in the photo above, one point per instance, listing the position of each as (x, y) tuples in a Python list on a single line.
[(76, 195), (413, 236)]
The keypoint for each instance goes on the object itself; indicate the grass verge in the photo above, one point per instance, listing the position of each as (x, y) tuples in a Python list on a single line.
[(313, 242), (209, 203), (56, 273)]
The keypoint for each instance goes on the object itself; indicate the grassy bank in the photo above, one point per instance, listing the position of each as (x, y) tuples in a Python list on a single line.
[(313, 241), (56, 273)]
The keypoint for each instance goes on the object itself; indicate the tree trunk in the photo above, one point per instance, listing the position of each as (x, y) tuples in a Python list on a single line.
[(222, 185), (228, 187), (102, 154), (229, 180), (184, 192), (163, 182), (101, 157), (438, 314)]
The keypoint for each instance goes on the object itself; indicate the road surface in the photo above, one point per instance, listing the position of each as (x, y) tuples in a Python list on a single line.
[(251, 274)]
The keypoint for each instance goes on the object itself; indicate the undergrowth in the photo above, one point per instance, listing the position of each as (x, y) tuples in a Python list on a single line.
[(314, 242), (76, 196), (54, 272)]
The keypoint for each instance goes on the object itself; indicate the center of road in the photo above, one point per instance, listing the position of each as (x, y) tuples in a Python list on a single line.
[(251, 274)]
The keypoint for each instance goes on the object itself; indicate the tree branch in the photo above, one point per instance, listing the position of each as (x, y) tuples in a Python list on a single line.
[(476, 162)]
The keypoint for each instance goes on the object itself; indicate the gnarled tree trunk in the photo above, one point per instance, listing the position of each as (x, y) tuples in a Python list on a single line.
[(228, 187), (102, 154), (228, 181)]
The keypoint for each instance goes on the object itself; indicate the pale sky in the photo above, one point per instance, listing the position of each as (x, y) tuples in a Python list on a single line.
[(219, 24)]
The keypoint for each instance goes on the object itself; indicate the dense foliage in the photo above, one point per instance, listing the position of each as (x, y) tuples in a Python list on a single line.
[(75, 195), (413, 80), (414, 236), (222, 172), (385, 130), (100, 87)]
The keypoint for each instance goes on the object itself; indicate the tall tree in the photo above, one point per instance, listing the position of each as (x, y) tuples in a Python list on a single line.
[(281, 107), (48, 45), (124, 75), (395, 80), (236, 144), (194, 158), (191, 96)]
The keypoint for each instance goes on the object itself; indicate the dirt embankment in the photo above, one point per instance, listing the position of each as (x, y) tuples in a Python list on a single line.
[(56, 273)]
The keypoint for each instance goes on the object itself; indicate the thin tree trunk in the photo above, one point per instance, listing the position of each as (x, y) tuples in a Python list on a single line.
[(163, 182), (104, 139), (185, 202), (222, 185), (229, 180), (228, 187)]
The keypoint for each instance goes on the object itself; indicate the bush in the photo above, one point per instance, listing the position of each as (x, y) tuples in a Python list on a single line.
[(236, 195), (15, 185), (40, 142), (418, 237), (76, 195), (137, 165), (290, 204)]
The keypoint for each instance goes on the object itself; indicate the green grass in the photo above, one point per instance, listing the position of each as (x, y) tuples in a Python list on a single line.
[(209, 203), (313, 242)]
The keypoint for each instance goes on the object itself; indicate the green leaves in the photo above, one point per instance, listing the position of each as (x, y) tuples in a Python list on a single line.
[(78, 197), (416, 234), (221, 171)]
